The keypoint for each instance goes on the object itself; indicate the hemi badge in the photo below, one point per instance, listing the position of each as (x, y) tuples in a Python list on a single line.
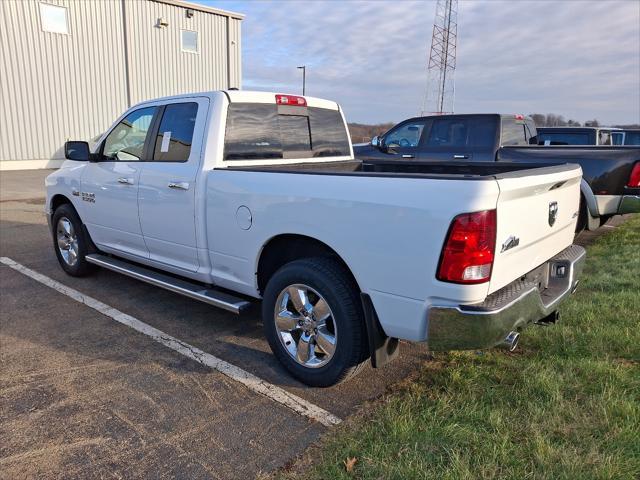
[(510, 242)]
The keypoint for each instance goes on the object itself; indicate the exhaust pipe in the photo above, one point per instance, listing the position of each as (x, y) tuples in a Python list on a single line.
[(510, 342)]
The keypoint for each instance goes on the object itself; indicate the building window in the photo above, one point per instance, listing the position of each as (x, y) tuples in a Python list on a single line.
[(53, 18), (189, 41)]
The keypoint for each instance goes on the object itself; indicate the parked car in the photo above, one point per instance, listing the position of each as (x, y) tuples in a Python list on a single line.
[(231, 196), (579, 136), (611, 175)]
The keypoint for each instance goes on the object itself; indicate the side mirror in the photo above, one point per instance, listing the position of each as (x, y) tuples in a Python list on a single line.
[(77, 151), (375, 141)]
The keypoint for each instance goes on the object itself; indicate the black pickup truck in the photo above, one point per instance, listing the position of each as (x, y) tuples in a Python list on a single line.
[(611, 174)]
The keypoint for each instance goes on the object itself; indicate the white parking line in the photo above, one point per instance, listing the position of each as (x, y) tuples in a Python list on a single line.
[(275, 393)]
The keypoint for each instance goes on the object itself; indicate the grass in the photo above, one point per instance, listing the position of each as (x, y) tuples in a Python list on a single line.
[(566, 406)]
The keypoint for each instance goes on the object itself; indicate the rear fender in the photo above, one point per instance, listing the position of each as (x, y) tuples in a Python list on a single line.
[(593, 220)]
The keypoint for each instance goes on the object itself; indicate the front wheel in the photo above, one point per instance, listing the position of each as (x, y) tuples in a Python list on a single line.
[(314, 321), (70, 241)]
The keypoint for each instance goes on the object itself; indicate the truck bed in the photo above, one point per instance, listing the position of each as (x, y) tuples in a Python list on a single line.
[(412, 169)]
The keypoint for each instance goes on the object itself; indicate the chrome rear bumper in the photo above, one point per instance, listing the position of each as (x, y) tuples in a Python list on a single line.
[(485, 325)]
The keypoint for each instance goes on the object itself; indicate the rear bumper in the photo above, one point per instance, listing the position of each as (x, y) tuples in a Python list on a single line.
[(485, 325), (629, 204)]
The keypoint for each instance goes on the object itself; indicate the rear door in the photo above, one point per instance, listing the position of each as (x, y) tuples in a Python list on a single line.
[(460, 138), (537, 212), (166, 195)]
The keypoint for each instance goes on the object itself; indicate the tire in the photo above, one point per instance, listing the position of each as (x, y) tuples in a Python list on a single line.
[(70, 241), (325, 280)]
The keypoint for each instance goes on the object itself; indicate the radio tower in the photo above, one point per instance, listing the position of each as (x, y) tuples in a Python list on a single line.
[(440, 93)]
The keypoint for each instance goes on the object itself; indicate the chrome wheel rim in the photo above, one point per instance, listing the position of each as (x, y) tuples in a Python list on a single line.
[(305, 325), (67, 241)]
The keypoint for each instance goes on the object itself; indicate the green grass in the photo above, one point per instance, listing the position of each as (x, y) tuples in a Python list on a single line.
[(565, 406)]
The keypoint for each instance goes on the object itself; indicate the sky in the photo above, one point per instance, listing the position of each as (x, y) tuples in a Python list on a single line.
[(577, 58)]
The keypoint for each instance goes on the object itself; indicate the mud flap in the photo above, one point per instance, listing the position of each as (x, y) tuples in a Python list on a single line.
[(383, 349)]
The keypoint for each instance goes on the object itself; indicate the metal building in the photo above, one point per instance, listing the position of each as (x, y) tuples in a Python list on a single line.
[(69, 68)]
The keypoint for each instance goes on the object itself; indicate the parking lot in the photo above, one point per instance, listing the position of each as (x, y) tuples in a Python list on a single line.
[(84, 395)]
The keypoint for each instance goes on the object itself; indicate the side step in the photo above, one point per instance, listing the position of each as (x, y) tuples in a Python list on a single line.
[(213, 297)]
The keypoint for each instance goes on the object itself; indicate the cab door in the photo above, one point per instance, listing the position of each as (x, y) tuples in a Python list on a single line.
[(109, 206), (166, 196), (403, 140)]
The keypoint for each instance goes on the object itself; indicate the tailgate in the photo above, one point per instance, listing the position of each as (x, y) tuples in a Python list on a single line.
[(537, 213)]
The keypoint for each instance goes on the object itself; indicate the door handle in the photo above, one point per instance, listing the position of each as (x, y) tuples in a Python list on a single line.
[(459, 157), (179, 185), (408, 156), (125, 181)]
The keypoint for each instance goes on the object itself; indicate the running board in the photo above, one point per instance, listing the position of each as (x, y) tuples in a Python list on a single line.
[(213, 297)]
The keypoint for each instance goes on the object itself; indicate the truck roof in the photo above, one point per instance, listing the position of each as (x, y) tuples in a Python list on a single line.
[(249, 96), (458, 115), (575, 128)]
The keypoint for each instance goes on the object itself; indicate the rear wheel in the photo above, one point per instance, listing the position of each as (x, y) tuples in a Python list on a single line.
[(70, 241), (314, 321)]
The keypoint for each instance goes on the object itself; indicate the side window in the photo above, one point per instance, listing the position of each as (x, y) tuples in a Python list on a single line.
[(617, 138), (407, 135), (125, 143), (173, 142), (513, 132), (463, 132)]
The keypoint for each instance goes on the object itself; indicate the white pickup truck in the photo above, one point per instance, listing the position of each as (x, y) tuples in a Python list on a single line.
[(231, 196)]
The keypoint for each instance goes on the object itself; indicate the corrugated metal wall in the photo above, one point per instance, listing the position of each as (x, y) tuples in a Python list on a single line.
[(159, 67), (55, 87)]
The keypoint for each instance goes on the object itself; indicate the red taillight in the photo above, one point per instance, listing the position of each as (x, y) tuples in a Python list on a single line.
[(634, 178), (519, 116), (467, 256), (293, 100)]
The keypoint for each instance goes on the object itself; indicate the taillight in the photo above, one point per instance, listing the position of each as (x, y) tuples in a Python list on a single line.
[(634, 178), (467, 256), (293, 100)]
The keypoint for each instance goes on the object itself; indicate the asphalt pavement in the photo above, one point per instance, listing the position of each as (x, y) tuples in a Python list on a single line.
[(82, 395)]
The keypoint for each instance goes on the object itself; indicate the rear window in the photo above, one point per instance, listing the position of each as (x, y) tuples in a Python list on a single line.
[(265, 131), (568, 138), (469, 132), (632, 138), (513, 132)]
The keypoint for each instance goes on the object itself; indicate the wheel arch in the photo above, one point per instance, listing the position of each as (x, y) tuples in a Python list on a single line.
[(59, 199), (284, 248), (589, 198)]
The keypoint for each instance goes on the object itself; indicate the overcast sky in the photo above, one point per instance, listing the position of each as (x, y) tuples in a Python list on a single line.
[(578, 58)]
